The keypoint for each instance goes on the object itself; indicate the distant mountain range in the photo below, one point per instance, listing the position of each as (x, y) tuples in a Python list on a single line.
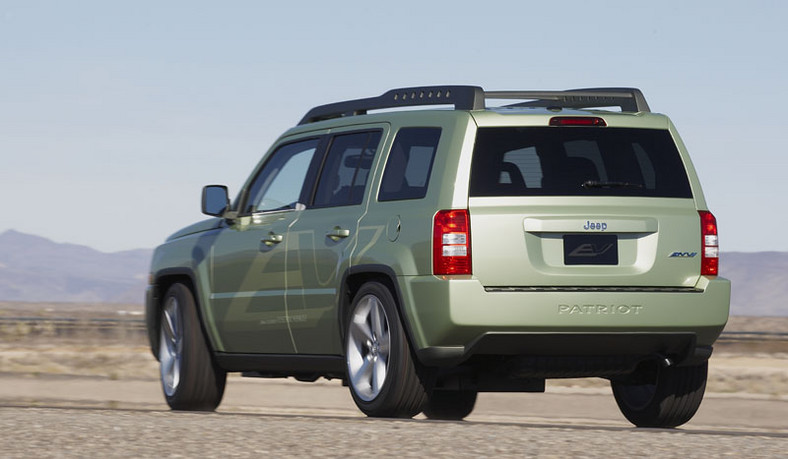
[(759, 282), (34, 269)]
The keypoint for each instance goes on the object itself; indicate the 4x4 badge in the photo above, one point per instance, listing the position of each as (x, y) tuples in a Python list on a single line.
[(683, 254)]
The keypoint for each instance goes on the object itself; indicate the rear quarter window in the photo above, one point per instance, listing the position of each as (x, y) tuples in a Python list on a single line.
[(572, 161), (409, 164)]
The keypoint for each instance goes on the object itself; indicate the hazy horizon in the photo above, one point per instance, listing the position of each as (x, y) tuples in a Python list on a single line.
[(3, 232)]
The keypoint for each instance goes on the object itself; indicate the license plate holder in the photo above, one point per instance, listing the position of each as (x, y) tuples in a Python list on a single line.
[(590, 249)]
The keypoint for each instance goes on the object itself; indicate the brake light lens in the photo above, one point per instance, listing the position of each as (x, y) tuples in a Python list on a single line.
[(577, 121), (710, 260), (451, 242)]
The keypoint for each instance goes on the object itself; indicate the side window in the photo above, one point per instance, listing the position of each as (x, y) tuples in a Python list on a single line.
[(409, 164), (279, 183), (346, 169), (587, 152), (521, 168), (646, 166)]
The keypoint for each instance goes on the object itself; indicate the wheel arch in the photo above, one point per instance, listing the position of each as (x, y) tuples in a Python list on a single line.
[(354, 278), (162, 282)]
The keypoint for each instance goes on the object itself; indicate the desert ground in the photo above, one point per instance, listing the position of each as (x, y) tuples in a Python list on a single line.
[(118, 350), (79, 380)]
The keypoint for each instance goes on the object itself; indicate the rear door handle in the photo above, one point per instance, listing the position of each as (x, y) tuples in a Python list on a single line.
[(338, 233), (272, 238)]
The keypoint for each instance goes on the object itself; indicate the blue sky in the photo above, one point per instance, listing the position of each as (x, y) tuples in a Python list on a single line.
[(113, 115)]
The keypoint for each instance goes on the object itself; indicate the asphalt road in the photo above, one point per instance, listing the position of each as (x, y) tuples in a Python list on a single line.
[(52, 432), (89, 417)]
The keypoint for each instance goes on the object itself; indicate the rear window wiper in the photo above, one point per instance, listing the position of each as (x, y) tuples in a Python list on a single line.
[(597, 184)]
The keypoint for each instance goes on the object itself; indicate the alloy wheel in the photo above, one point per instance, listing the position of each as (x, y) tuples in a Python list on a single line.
[(170, 347), (368, 348)]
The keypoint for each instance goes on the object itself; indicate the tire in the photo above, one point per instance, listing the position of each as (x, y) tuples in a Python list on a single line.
[(384, 379), (669, 400), (451, 405), (189, 378)]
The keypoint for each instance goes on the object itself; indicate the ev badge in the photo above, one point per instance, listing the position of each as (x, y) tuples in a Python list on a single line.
[(683, 255)]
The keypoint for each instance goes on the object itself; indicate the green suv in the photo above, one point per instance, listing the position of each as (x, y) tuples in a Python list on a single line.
[(425, 255)]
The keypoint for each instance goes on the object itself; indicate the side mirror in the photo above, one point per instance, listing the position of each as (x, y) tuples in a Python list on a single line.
[(215, 200)]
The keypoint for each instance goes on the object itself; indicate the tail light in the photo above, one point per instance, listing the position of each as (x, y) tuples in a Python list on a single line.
[(451, 242), (710, 260)]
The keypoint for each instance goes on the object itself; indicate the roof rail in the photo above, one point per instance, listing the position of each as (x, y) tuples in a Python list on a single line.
[(473, 97), (462, 97), (627, 99)]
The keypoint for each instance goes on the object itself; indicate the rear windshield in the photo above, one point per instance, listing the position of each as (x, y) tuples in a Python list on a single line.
[(577, 161)]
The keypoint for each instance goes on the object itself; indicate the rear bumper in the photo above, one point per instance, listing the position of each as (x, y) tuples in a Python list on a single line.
[(575, 354), (453, 319)]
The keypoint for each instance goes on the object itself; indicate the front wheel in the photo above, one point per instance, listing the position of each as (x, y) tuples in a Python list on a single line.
[(669, 397), (384, 379), (189, 378)]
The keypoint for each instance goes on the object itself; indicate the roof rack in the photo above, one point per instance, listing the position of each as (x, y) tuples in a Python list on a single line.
[(473, 97), (627, 99)]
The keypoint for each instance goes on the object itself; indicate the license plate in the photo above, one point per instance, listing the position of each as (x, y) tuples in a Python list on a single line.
[(590, 249)]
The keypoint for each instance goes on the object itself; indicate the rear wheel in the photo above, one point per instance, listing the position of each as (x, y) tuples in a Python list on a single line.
[(450, 404), (668, 398), (384, 379), (189, 378)]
